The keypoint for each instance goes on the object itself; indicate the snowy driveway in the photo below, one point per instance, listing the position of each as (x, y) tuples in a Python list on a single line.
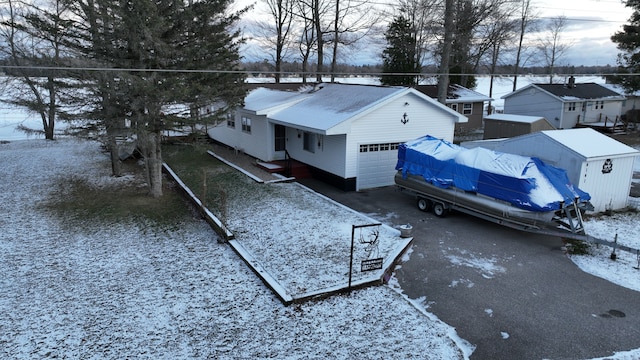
[(512, 294)]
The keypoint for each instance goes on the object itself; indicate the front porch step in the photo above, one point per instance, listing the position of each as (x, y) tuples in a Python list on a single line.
[(298, 170)]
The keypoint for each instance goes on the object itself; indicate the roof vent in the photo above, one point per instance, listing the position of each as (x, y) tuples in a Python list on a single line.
[(572, 82)]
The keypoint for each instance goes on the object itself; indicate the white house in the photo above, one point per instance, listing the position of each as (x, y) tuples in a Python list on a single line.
[(567, 105), (349, 133), (594, 162)]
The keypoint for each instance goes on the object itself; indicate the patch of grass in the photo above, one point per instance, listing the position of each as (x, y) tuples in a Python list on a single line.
[(577, 247), (80, 204), (213, 182)]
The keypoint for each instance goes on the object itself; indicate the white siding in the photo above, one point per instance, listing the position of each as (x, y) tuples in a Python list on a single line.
[(328, 156), (258, 143), (611, 111), (534, 102), (608, 190), (384, 126)]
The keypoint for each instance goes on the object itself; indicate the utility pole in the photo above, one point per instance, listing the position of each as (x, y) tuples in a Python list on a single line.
[(443, 77)]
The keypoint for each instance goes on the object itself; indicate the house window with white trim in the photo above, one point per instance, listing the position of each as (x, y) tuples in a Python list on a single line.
[(454, 107), (599, 105), (309, 142), (364, 148), (246, 125), (571, 106), (467, 108)]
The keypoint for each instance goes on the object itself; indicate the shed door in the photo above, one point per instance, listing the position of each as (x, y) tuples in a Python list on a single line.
[(376, 165)]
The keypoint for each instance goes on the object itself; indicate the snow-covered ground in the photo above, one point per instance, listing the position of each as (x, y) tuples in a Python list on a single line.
[(132, 290), (125, 291)]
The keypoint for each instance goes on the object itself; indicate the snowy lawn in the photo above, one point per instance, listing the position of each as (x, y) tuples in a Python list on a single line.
[(141, 288), (624, 270), (301, 238)]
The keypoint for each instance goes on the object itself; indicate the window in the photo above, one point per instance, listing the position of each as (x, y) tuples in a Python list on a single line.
[(309, 142), (394, 146), (454, 107), (571, 106), (246, 125), (467, 108), (599, 105), (384, 147), (373, 147), (231, 121), (364, 148)]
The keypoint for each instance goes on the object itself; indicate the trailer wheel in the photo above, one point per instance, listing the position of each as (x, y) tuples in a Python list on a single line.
[(424, 204), (439, 209)]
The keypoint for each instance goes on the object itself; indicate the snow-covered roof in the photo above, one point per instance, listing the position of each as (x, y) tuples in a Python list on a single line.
[(327, 105), (514, 118), (577, 92), (590, 143), (455, 94), (262, 100)]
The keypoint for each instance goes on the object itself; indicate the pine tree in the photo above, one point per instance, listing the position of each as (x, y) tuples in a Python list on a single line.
[(399, 58), (162, 53), (628, 41)]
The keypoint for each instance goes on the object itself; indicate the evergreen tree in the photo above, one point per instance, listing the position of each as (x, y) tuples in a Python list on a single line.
[(628, 41), (399, 58), (160, 54)]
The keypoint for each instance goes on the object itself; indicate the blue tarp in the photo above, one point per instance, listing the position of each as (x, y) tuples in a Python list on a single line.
[(525, 182)]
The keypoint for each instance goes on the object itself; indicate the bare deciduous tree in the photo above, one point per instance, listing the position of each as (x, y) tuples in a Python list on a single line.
[(551, 46), (275, 33)]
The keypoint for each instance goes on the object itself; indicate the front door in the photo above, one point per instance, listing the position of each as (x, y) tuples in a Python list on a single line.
[(279, 137)]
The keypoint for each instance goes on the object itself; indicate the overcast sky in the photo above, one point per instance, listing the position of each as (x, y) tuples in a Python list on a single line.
[(592, 22), (590, 26)]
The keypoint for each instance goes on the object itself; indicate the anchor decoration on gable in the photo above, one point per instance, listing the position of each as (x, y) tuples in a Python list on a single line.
[(405, 118)]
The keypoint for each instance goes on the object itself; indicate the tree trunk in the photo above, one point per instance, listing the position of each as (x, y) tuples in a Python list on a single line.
[(116, 165), (49, 128), (149, 142), (155, 164)]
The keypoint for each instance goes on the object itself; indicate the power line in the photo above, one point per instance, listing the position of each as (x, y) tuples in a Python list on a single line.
[(295, 73)]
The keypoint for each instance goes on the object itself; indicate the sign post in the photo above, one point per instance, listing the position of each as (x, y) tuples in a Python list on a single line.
[(371, 264)]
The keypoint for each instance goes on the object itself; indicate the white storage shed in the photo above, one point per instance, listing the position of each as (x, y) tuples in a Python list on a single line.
[(594, 162)]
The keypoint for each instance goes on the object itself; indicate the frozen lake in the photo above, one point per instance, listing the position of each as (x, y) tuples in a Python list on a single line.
[(10, 118)]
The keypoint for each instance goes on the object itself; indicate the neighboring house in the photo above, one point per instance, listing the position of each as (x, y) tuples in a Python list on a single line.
[(567, 105), (594, 162), (465, 101), (348, 134), (631, 104), (498, 126)]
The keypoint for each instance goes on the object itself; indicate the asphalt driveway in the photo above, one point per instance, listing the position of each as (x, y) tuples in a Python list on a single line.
[(512, 294)]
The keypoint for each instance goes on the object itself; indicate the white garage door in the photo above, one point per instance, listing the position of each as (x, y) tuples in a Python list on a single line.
[(376, 165)]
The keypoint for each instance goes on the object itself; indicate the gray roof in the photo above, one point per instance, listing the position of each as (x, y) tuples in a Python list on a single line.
[(579, 91)]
